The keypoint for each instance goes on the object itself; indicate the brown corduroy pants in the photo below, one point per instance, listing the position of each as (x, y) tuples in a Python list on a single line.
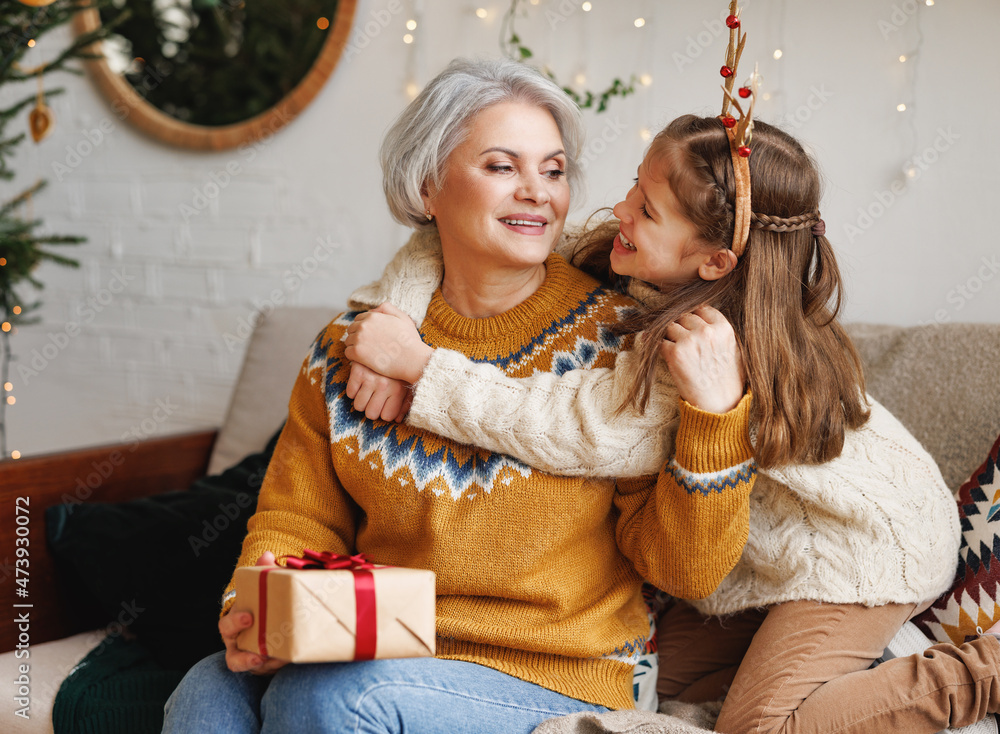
[(803, 668)]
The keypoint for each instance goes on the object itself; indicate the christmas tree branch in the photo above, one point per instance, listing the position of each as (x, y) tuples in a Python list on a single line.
[(21, 198), (21, 248)]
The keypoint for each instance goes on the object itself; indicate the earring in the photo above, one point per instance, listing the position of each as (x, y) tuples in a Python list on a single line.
[(430, 217)]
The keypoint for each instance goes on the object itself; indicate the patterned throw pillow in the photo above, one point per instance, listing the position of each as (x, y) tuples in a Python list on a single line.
[(974, 599), (647, 667)]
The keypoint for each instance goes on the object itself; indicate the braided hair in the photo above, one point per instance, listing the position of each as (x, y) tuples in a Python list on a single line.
[(784, 224)]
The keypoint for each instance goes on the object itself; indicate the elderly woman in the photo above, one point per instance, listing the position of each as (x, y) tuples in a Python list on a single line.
[(539, 610)]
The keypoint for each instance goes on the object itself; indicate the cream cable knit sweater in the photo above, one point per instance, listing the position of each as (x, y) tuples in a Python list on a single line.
[(877, 525)]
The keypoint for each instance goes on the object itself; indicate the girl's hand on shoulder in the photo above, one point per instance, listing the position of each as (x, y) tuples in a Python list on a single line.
[(378, 396), (387, 341), (234, 622), (704, 359)]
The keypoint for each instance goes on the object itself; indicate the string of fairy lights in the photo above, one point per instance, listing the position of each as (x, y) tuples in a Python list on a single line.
[(909, 61), (643, 21), (7, 330), (489, 15)]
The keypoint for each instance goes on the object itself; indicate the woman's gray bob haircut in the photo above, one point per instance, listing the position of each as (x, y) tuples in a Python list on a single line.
[(415, 151)]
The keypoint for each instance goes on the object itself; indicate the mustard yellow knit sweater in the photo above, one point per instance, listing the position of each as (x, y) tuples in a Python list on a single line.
[(538, 576)]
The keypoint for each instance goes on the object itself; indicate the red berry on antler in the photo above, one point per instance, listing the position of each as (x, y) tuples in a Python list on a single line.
[(745, 92), (733, 22), (726, 72), (744, 151), (729, 121)]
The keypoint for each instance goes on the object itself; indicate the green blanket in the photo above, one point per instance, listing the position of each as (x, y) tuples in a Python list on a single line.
[(157, 566), (117, 687)]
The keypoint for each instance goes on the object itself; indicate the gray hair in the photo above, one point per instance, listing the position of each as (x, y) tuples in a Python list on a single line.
[(416, 148)]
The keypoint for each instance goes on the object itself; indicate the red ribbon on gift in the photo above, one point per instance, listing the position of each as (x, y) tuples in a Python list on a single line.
[(366, 630), (328, 560)]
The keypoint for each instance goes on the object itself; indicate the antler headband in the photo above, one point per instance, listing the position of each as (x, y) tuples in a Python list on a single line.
[(740, 131)]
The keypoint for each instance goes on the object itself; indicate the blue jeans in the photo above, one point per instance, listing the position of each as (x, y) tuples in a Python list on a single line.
[(414, 695)]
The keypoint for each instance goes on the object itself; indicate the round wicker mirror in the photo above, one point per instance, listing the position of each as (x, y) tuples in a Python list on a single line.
[(215, 74)]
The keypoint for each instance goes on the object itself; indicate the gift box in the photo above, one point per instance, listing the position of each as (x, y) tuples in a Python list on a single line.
[(330, 608)]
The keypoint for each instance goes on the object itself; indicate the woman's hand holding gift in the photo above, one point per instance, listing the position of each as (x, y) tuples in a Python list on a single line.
[(235, 622)]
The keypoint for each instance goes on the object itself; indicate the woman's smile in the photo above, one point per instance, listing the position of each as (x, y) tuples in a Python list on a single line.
[(532, 225)]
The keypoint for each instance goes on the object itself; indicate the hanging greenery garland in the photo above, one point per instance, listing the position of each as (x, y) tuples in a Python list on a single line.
[(513, 47)]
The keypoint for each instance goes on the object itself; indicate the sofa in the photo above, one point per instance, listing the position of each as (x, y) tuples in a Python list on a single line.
[(942, 381)]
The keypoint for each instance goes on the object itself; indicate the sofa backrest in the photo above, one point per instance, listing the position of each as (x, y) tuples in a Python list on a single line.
[(942, 382), (274, 355)]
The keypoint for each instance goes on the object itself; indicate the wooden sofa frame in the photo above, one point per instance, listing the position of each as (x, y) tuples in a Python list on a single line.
[(113, 473)]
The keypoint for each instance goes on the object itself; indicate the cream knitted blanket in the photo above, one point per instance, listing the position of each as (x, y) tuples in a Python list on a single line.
[(877, 525)]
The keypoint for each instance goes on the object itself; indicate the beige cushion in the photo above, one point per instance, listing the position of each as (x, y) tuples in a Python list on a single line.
[(942, 382), (260, 399), (50, 663)]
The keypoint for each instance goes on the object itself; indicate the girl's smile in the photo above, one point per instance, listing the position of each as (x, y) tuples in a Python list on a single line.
[(655, 243)]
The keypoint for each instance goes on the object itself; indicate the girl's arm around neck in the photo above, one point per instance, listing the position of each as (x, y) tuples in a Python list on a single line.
[(564, 424), (684, 529)]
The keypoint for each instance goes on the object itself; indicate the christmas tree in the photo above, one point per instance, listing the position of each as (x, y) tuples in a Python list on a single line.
[(22, 25)]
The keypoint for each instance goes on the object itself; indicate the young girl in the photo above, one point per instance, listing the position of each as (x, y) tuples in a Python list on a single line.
[(852, 529)]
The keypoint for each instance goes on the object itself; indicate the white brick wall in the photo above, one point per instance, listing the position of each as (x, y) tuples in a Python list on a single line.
[(102, 194), (203, 243), (142, 239), (191, 278)]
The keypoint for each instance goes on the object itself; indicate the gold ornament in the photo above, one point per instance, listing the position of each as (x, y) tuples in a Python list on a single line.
[(40, 119)]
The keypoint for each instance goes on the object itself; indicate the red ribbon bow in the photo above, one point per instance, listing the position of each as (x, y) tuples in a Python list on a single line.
[(366, 630), (328, 560)]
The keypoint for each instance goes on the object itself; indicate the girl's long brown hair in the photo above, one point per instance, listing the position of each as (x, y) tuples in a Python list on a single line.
[(782, 298)]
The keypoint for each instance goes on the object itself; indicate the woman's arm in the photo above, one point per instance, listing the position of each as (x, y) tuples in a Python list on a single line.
[(301, 503)]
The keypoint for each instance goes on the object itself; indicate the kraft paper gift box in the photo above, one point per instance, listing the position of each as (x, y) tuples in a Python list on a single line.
[(310, 614)]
